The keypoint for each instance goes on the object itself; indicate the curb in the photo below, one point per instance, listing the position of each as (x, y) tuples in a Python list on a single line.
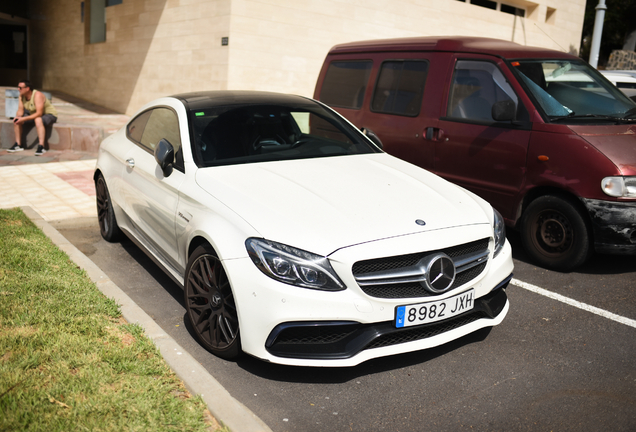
[(196, 378)]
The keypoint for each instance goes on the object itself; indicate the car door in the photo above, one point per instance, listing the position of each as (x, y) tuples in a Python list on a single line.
[(151, 197), (473, 150)]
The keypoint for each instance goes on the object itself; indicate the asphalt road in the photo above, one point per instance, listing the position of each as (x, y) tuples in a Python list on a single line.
[(550, 366)]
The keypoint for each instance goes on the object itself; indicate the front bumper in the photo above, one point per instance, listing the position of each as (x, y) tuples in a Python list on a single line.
[(351, 326), (342, 340), (614, 226)]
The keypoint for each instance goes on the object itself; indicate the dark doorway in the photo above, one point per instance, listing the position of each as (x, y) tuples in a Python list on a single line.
[(13, 53)]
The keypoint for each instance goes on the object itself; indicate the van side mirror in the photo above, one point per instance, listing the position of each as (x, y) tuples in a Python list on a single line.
[(372, 136), (164, 155), (504, 110)]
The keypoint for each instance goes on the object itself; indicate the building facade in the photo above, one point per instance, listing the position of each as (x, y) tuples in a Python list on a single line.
[(122, 53)]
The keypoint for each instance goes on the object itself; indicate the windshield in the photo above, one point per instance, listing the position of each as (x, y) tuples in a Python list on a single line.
[(567, 89), (237, 134)]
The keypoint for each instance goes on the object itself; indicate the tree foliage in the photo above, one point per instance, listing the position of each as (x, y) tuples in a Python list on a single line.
[(620, 21)]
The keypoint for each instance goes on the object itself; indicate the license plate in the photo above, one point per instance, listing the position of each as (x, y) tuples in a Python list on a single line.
[(428, 312)]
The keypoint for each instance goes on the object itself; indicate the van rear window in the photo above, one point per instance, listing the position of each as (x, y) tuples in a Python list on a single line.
[(400, 87), (345, 83)]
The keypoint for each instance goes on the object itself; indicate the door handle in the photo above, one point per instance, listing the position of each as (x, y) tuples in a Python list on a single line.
[(130, 162), (435, 134)]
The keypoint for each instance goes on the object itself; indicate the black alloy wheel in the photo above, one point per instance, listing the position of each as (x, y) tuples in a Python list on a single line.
[(210, 304), (105, 215), (555, 233)]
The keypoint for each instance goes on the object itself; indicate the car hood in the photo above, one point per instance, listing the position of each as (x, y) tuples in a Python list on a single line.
[(617, 142), (324, 204)]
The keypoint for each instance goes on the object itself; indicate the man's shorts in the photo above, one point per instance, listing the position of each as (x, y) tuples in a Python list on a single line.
[(47, 119)]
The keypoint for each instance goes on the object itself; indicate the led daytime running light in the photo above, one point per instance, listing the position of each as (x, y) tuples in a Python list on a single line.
[(293, 266)]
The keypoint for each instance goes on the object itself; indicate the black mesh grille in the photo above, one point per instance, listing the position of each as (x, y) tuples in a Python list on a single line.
[(424, 332), (411, 290), (315, 335)]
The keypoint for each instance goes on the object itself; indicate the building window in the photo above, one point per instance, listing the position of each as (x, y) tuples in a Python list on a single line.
[(512, 10), (502, 7), (485, 3)]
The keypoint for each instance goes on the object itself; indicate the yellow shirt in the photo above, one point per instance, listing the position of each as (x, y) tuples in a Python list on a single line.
[(29, 105)]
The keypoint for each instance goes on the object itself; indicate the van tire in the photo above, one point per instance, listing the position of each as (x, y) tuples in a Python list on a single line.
[(555, 233)]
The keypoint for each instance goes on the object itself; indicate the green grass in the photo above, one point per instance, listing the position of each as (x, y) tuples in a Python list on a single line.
[(68, 360)]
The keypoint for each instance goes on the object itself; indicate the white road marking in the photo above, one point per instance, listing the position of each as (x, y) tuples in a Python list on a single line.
[(575, 303)]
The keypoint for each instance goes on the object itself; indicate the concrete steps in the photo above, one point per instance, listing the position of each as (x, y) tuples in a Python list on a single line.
[(80, 126)]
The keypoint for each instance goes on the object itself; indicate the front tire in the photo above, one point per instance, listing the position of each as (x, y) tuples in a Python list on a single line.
[(555, 233), (210, 304), (105, 214)]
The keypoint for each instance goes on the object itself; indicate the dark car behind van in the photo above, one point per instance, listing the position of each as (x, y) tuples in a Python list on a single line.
[(540, 134)]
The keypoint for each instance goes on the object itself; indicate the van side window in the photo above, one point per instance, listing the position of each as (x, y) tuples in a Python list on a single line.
[(400, 87), (476, 86), (345, 83)]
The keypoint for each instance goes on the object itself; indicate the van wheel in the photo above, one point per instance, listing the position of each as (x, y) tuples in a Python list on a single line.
[(555, 233), (210, 304)]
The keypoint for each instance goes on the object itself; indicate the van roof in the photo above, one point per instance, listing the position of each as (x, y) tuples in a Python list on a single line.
[(481, 45)]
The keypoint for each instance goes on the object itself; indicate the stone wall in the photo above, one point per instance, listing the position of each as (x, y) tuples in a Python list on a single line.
[(622, 60)]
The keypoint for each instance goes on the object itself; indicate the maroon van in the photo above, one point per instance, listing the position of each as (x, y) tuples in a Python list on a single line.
[(540, 134)]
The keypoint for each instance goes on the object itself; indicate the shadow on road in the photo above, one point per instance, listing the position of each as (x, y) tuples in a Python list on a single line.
[(331, 375)]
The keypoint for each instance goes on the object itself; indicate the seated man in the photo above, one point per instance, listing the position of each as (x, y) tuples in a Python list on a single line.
[(33, 106)]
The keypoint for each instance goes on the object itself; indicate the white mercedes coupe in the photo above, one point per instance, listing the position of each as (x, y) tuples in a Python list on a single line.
[(296, 239)]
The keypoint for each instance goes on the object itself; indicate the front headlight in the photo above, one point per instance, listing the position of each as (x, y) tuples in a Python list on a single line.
[(499, 230), (293, 266), (619, 186)]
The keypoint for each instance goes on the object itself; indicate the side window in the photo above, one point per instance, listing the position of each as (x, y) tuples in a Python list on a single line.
[(345, 83), (476, 86), (136, 126), (162, 123), (400, 87)]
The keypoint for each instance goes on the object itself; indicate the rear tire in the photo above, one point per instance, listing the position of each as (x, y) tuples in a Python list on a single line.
[(555, 233), (210, 304), (105, 214)]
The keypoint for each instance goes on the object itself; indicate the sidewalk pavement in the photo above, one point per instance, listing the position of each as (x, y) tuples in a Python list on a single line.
[(56, 191), (59, 186)]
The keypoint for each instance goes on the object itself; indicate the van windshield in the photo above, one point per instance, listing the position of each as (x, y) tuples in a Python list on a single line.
[(569, 90)]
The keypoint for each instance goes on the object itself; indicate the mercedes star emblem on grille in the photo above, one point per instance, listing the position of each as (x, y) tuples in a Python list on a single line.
[(440, 272)]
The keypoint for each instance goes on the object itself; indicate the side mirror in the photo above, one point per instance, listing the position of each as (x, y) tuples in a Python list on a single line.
[(164, 155), (372, 136), (504, 110)]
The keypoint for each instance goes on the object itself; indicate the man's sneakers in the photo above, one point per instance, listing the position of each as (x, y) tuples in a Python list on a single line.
[(15, 148)]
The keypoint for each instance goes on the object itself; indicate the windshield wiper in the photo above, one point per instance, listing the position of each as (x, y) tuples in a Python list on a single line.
[(631, 113), (574, 116)]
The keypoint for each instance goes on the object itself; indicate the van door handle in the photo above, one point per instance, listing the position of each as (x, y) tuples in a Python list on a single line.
[(434, 134)]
